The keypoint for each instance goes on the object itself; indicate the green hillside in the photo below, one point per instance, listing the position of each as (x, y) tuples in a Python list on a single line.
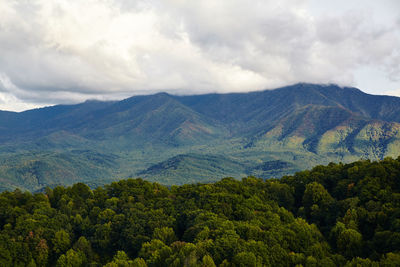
[(179, 139), (203, 168)]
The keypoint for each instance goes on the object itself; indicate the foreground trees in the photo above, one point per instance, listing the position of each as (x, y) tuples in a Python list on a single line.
[(333, 215)]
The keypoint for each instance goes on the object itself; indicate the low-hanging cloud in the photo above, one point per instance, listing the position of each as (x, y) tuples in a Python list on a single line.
[(67, 51)]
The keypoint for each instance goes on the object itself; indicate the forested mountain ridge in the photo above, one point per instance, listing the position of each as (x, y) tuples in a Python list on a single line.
[(235, 108), (333, 215), (301, 126)]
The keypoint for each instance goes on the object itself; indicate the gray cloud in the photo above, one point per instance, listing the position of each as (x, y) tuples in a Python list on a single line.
[(68, 51)]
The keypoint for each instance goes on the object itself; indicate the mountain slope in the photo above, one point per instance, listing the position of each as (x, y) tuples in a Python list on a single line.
[(268, 133), (192, 168), (152, 118)]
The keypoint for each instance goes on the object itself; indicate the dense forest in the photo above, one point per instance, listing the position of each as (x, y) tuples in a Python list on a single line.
[(334, 215)]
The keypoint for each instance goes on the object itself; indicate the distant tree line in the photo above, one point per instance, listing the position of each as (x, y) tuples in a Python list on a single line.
[(334, 215)]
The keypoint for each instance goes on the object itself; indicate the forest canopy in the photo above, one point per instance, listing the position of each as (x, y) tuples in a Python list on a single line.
[(334, 215)]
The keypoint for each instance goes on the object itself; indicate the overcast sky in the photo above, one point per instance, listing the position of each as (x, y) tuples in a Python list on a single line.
[(67, 51)]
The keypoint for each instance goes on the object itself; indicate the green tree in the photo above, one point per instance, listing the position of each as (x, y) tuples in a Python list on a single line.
[(71, 259), (245, 259), (155, 252), (349, 243), (208, 261), (61, 241), (165, 234), (122, 260)]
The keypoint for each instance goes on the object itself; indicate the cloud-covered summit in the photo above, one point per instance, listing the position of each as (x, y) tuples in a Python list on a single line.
[(67, 51)]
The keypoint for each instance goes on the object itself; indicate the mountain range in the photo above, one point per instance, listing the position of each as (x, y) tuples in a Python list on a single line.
[(197, 138)]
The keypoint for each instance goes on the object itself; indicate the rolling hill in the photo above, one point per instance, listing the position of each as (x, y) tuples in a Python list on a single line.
[(180, 139)]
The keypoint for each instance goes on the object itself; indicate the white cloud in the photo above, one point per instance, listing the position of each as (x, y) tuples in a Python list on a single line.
[(69, 50), (8, 101)]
